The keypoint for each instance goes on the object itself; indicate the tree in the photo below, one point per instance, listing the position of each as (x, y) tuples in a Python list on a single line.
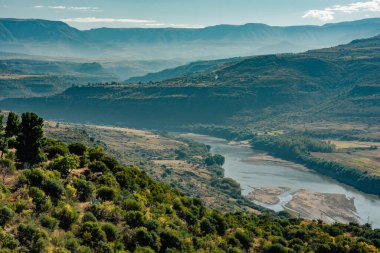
[(13, 125), (7, 167), (3, 139), (67, 216), (77, 149), (30, 139)]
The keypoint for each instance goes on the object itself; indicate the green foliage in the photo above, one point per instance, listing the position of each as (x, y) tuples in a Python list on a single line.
[(30, 140), (77, 149), (55, 148), (96, 153), (13, 125), (67, 215), (216, 159), (48, 222), (6, 215), (31, 237), (65, 164), (98, 166), (7, 168), (85, 189), (134, 213)]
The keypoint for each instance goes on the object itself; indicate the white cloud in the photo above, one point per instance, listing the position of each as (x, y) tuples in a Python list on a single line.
[(328, 13), (324, 15), (106, 20), (69, 8)]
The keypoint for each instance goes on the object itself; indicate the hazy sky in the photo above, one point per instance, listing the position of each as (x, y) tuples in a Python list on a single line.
[(85, 14)]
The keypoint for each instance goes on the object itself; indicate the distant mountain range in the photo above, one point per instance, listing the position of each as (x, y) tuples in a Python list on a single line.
[(54, 38), (338, 83)]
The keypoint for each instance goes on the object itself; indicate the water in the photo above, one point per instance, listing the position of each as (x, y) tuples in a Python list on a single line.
[(250, 174)]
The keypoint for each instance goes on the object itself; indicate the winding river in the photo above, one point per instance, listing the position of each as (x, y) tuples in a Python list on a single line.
[(256, 174)]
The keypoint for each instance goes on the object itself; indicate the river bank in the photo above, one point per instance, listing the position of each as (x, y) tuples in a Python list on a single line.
[(309, 191)]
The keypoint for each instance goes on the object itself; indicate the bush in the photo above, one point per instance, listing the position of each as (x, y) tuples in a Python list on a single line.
[(111, 231), (77, 149), (34, 239), (98, 166), (48, 222), (106, 193), (67, 216), (7, 167), (6, 215), (170, 240), (85, 189), (65, 164), (206, 227), (96, 153), (244, 239), (40, 200), (276, 248), (55, 150), (92, 234), (89, 216), (134, 218)]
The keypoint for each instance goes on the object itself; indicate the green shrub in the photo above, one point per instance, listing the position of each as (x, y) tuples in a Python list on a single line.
[(77, 149), (111, 232), (48, 222), (92, 234), (85, 189), (98, 166), (106, 193), (67, 215), (65, 164), (6, 215), (89, 216), (33, 238)]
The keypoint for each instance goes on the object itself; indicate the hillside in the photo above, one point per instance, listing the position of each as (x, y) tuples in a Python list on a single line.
[(31, 78), (76, 198), (332, 83)]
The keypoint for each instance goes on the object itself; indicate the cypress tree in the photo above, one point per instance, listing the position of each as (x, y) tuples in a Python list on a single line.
[(13, 125), (30, 139)]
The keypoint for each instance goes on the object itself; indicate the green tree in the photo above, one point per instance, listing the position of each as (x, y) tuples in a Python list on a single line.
[(30, 139), (92, 234), (33, 238), (77, 149), (3, 139), (13, 125), (67, 216)]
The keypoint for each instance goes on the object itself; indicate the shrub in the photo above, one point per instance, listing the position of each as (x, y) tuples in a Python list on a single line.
[(96, 153), (6, 215), (55, 150), (98, 166), (106, 193), (34, 239), (92, 234), (206, 227), (77, 149), (170, 240), (135, 218), (48, 222), (85, 189), (65, 164), (7, 167), (40, 200), (67, 216), (111, 231), (244, 239), (89, 216)]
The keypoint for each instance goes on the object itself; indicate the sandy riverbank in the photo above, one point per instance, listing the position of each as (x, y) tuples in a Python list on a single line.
[(267, 195), (326, 206)]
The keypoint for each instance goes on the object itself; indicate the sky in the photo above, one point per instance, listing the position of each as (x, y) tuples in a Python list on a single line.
[(87, 14)]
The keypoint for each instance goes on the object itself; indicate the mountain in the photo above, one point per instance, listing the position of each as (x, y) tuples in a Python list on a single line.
[(272, 88), (216, 42)]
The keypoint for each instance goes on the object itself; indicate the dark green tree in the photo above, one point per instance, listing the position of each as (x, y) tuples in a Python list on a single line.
[(13, 125), (3, 139), (30, 139)]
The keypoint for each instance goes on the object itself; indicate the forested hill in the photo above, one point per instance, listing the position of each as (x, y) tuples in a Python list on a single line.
[(58, 197), (339, 83)]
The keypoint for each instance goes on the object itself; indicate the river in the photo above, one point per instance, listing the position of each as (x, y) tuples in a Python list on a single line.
[(253, 174)]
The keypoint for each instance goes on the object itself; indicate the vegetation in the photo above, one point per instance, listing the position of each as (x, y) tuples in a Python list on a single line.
[(298, 149), (54, 207)]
